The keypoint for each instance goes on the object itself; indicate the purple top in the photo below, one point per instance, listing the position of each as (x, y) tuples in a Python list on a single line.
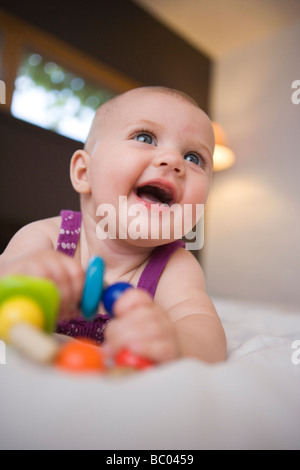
[(67, 243)]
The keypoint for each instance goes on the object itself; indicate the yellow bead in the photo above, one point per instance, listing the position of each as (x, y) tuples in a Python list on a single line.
[(19, 309)]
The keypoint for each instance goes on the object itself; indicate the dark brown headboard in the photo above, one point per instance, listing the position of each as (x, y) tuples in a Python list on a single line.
[(34, 174)]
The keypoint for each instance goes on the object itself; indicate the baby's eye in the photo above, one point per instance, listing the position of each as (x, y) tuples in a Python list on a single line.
[(145, 138), (194, 158)]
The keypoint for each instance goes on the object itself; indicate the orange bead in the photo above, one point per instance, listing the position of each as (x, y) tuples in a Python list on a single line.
[(80, 356)]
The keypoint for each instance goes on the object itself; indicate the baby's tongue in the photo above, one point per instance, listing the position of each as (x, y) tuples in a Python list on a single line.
[(149, 197)]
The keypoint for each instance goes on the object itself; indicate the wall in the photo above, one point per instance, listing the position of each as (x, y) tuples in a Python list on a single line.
[(252, 221)]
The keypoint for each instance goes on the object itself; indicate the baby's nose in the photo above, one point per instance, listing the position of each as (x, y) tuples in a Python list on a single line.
[(172, 160)]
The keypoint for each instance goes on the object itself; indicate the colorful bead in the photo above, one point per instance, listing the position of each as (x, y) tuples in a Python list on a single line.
[(112, 293), (92, 288)]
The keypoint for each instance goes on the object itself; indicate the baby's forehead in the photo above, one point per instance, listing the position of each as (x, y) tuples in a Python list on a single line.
[(145, 100), (139, 103), (159, 94)]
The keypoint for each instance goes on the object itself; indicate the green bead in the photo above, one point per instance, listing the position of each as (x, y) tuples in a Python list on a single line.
[(43, 291)]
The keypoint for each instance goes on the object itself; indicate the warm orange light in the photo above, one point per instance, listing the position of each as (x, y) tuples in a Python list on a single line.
[(223, 156)]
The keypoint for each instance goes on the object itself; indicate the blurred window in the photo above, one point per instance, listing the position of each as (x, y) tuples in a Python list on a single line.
[(50, 83), (51, 96)]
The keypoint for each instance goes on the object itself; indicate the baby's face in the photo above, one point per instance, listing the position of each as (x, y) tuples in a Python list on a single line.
[(156, 150)]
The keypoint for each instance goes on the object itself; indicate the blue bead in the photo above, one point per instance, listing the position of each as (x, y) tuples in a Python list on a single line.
[(112, 293), (93, 287)]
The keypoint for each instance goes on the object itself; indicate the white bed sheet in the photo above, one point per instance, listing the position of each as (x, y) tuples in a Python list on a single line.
[(252, 401)]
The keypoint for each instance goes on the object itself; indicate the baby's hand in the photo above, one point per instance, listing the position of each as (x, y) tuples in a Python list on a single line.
[(143, 327), (66, 273)]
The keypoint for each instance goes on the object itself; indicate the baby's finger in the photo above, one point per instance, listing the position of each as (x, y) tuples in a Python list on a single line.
[(75, 276), (62, 278), (140, 324), (131, 300), (159, 349), (119, 333), (68, 276)]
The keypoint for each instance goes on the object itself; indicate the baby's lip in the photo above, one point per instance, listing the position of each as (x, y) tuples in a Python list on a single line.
[(157, 191)]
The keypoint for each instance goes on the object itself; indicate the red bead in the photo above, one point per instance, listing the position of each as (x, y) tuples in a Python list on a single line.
[(127, 358)]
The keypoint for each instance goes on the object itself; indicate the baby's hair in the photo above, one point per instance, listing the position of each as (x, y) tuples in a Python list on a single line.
[(104, 111)]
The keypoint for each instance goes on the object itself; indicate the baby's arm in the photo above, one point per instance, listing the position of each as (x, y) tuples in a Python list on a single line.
[(181, 322), (182, 292), (32, 252)]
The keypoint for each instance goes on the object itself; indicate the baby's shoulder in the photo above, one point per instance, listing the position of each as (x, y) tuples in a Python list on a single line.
[(181, 281), (183, 269), (38, 235), (49, 225), (41, 230)]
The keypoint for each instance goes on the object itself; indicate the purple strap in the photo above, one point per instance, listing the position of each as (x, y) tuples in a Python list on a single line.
[(156, 264), (69, 232)]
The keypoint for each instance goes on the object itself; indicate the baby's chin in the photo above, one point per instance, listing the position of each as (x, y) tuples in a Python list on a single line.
[(151, 231), (149, 243)]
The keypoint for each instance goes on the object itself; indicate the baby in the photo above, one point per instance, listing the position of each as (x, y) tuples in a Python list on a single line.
[(152, 146)]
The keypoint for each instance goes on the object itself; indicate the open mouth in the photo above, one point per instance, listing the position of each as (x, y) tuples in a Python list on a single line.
[(156, 194)]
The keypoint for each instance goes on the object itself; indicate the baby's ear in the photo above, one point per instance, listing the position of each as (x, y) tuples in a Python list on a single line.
[(79, 171)]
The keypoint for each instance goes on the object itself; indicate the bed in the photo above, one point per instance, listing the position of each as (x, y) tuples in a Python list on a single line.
[(252, 401)]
